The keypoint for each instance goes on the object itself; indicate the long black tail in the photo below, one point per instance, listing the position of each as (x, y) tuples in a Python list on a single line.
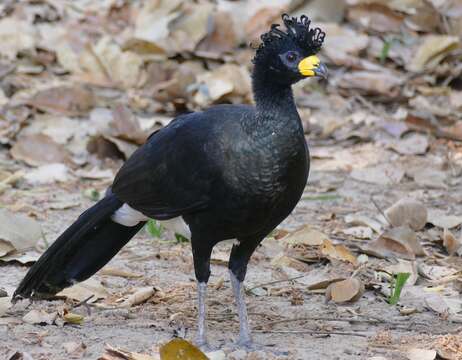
[(84, 248)]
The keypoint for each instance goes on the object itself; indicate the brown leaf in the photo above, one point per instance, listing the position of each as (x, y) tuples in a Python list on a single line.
[(227, 82), (376, 17), (181, 349), (400, 241), (82, 291), (284, 260), (407, 212), (39, 149), (64, 100), (432, 50), (450, 242), (221, 38), (17, 232), (75, 349), (340, 252), (440, 219), (343, 44), (261, 21), (126, 126), (372, 82), (138, 297), (349, 290), (306, 235)]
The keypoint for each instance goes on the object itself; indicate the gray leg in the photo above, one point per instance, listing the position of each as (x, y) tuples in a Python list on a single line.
[(201, 339), (245, 339)]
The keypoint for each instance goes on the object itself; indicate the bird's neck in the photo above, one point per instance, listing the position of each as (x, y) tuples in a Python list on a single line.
[(275, 105)]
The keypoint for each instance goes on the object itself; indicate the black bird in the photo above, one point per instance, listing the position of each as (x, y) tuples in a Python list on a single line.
[(228, 172)]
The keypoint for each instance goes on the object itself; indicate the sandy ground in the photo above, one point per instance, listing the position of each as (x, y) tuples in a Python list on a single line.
[(310, 329)]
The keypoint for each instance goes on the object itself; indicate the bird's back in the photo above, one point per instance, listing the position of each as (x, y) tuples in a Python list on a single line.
[(223, 174)]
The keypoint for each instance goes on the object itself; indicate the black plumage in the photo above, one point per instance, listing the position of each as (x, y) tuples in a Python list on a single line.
[(230, 172)]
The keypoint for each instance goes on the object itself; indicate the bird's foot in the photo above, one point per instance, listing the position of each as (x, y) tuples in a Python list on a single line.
[(249, 346), (204, 345), (246, 343)]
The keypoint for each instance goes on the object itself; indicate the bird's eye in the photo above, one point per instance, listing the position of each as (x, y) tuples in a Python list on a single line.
[(291, 56)]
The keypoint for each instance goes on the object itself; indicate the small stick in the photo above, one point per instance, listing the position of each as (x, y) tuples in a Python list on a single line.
[(380, 210), (274, 282), (311, 332), (84, 302)]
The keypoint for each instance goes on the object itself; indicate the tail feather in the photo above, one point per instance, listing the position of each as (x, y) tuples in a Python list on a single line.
[(84, 248)]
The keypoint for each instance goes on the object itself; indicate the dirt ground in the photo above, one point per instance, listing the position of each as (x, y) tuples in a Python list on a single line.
[(310, 329)]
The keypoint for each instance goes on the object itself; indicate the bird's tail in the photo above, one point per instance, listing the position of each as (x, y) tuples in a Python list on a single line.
[(84, 248)]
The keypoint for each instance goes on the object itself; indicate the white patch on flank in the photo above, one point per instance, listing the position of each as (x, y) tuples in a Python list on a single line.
[(178, 226), (127, 216)]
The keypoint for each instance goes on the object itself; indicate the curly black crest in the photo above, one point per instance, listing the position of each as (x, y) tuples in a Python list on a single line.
[(298, 31)]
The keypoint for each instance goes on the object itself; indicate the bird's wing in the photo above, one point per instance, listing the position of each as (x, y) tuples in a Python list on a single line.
[(171, 174)]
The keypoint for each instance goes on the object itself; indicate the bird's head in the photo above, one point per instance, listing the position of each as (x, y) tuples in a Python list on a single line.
[(289, 56)]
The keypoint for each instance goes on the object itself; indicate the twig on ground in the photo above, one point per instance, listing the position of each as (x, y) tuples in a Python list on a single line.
[(312, 332), (380, 210), (274, 282)]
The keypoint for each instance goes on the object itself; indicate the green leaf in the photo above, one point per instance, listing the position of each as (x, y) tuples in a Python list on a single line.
[(154, 229), (92, 194), (180, 238), (396, 287)]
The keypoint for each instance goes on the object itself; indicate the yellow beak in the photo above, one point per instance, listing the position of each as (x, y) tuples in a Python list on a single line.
[(312, 66)]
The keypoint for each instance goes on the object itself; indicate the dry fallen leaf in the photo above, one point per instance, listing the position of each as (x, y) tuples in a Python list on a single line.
[(429, 177), (228, 82), (75, 349), (47, 174), (17, 232), (359, 232), (340, 252), (400, 241), (432, 50), (181, 349), (282, 260), (112, 353), (436, 303), (383, 174), (372, 82), (407, 212), (139, 296), (376, 16), (84, 290), (64, 100), (5, 304), (414, 144), (39, 149), (421, 354), (348, 290), (450, 242), (306, 235), (364, 220), (40, 317), (440, 219)]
